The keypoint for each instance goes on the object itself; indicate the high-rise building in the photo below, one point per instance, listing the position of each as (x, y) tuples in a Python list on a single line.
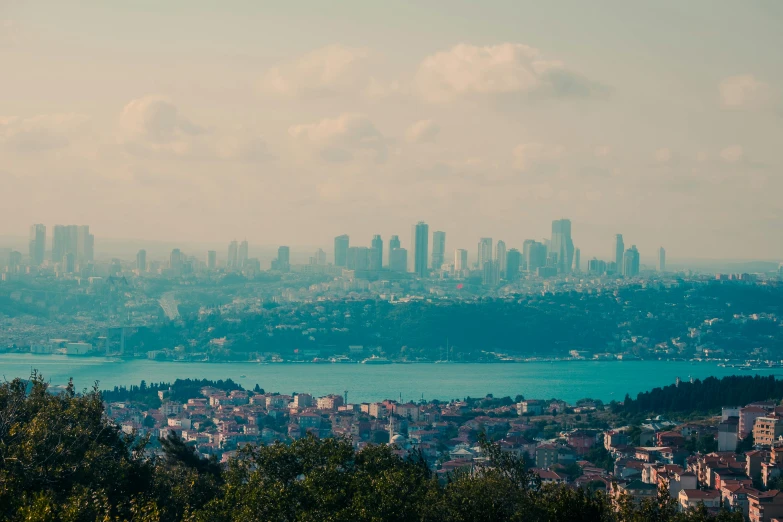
[(490, 273), (661, 260), (65, 240), (211, 259), (438, 249), (319, 258), (176, 261), (394, 242), (398, 260), (596, 266), (631, 262), (500, 258), (69, 263), (562, 246), (37, 244), (525, 248), (233, 255), (460, 260), (619, 250), (536, 257), (85, 244), (283, 259), (420, 242), (513, 264), (341, 250), (141, 260), (376, 253), (484, 251), (577, 260), (242, 254), (358, 258)]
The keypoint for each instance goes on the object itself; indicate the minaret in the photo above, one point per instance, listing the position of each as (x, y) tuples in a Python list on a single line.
[(391, 428)]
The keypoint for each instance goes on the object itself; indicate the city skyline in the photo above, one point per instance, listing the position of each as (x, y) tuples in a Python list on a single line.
[(211, 128)]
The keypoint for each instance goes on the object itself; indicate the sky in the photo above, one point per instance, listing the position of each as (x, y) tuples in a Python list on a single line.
[(293, 122)]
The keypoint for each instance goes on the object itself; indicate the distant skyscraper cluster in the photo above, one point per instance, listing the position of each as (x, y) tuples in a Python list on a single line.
[(72, 248)]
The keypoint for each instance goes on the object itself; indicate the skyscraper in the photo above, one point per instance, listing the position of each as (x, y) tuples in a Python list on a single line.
[(525, 248), (65, 241), (460, 260), (394, 242), (661, 260), (619, 249), (484, 251), (631, 262), (211, 259), (376, 253), (233, 255), (438, 249), (398, 260), (141, 260), (284, 259), (175, 261), (536, 256), (37, 244), (85, 244), (577, 260), (341, 250), (420, 242), (562, 245), (513, 262), (242, 254), (490, 273), (500, 256)]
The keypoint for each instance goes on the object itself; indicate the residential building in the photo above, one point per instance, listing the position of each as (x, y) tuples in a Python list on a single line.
[(691, 498), (398, 260), (765, 506), (141, 261), (661, 260), (767, 430), (233, 255), (376, 253), (460, 260), (211, 259)]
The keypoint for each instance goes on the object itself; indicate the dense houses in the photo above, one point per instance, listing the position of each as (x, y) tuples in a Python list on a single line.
[(635, 462)]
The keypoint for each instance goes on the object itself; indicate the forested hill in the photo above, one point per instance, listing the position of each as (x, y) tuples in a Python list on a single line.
[(703, 396)]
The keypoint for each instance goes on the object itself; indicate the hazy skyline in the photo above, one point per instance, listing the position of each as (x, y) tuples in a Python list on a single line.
[(291, 124)]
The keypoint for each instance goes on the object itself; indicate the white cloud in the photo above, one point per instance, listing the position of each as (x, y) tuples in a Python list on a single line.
[(339, 139), (156, 119), (663, 155), (40, 133), (530, 155), (423, 131), (732, 154), (326, 71), (493, 70), (743, 91)]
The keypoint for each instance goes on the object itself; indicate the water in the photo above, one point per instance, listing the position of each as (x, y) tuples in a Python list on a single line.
[(570, 381)]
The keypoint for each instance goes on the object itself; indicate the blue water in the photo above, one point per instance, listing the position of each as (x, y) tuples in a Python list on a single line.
[(570, 381)]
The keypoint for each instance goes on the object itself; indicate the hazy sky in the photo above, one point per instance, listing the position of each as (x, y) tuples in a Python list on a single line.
[(293, 122)]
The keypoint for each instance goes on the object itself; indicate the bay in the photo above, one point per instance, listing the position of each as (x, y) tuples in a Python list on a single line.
[(568, 380)]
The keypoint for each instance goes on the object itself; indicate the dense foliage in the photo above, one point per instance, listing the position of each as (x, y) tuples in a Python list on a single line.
[(179, 391), (703, 396), (61, 459)]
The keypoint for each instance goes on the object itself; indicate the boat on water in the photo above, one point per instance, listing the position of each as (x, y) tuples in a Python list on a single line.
[(376, 360), (243, 376)]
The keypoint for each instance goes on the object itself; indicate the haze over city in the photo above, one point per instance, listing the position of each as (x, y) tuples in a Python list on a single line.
[(291, 124)]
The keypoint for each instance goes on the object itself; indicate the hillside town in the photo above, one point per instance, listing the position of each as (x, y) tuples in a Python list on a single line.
[(734, 461)]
